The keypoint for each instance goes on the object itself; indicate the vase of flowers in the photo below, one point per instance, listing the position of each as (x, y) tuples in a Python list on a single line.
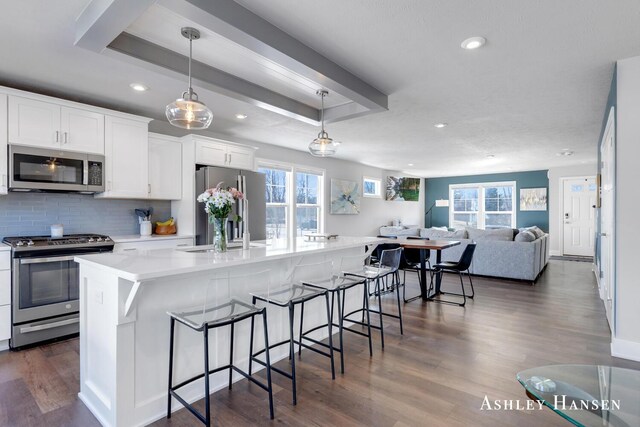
[(218, 203)]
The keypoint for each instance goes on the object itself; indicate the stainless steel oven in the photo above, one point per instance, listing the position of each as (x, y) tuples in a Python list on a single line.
[(45, 285), (39, 169)]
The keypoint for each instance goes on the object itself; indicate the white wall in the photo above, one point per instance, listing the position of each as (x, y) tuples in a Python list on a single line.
[(374, 212), (626, 342), (555, 200)]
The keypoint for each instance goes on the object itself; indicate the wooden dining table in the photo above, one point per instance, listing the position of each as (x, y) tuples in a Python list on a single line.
[(424, 245)]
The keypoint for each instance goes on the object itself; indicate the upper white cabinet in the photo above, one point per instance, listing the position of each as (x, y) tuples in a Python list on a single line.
[(165, 167), (213, 152), (126, 159), (4, 173), (34, 123), (82, 130), (45, 124)]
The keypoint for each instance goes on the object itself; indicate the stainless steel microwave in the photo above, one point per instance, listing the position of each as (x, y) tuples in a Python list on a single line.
[(41, 169)]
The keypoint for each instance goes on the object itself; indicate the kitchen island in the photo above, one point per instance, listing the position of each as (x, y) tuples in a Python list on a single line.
[(124, 328)]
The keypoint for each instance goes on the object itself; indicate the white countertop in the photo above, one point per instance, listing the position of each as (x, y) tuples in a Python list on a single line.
[(153, 237), (140, 265), (4, 247)]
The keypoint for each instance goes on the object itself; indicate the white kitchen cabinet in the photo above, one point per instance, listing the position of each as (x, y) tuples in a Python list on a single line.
[(5, 296), (212, 152), (165, 167), (126, 159), (48, 125), (35, 123), (82, 130), (4, 173)]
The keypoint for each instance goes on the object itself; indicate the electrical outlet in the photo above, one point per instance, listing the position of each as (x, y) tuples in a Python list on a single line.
[(98, 296)]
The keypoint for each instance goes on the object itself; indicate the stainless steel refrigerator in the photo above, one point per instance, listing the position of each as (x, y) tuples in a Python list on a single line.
[(252, 184)]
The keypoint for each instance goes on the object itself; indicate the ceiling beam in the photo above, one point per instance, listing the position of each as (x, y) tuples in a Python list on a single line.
[(240, 25), (165, 61), (102, 20)]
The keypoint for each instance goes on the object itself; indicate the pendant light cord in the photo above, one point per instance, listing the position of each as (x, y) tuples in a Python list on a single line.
[(190, 55)]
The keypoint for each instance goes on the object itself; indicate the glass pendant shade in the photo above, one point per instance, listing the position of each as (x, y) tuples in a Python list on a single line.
[(189, 113), (323, 146)]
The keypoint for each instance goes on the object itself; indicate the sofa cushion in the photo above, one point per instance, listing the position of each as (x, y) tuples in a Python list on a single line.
[(525, 236), (434, 233), (535, 230), (503, 234), (398, 231)]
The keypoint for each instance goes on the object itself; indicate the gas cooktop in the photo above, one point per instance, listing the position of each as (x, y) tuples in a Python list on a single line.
[(46, 242)]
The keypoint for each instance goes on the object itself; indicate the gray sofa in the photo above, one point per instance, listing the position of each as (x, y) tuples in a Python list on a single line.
[(497, 253)]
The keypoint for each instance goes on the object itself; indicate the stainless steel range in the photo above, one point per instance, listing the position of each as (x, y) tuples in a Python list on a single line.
[(45, 285)]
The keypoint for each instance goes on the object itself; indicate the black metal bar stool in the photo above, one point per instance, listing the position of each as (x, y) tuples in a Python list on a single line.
[(202, 320), (388, 265), (457, 267), (337, 286), (289, 296), (411, 262)]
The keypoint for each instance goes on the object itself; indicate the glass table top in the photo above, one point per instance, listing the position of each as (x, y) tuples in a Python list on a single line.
[(587, 395)]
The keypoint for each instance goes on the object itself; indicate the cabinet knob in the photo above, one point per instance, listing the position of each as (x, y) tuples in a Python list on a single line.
[(57, 136)]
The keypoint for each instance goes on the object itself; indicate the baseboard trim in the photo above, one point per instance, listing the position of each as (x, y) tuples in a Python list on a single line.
[(4, 345), (625, 349)]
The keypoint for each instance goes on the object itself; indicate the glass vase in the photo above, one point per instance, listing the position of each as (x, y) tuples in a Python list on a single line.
[(219, 234)]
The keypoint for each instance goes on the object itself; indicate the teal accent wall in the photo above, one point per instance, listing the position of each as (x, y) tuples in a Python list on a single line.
[(438, 188)]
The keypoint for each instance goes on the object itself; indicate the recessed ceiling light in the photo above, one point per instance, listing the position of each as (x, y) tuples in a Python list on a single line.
[(473, 43), (565, 153), (240, 116), (440, 125), (138, 87), (410, 164), (491, 156)]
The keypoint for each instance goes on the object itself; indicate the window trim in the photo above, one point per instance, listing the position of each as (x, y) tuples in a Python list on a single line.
[(378, 195), (481, 212), (291, 204)]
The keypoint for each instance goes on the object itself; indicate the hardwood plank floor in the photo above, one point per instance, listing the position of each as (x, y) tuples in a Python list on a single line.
[(436, 374)]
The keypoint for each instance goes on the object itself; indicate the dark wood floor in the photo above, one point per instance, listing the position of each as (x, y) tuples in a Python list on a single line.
[(437, 374)]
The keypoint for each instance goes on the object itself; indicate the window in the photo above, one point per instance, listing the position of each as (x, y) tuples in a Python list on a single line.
[(294, 200), (307, 203), (371, 187), (277, 197), (485, 206)]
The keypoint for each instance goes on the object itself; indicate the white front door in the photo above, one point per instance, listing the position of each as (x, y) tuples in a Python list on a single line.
[(579, 216)]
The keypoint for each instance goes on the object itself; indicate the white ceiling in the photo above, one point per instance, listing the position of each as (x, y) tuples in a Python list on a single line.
[(537, 87)]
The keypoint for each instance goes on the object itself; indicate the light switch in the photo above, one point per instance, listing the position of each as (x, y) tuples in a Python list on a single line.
[(97, 297)]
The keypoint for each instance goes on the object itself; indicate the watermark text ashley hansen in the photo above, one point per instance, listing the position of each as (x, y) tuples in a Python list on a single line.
[(560, 403)]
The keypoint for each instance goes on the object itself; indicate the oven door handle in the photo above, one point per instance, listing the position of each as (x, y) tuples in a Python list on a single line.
[(43, 260), (37, 328)]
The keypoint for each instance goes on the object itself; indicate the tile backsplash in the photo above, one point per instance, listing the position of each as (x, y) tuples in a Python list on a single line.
[(29, 214)]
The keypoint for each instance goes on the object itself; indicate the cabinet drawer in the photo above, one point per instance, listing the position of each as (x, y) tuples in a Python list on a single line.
[(5, 260), (149, 245), (5, 322), (5, 287)]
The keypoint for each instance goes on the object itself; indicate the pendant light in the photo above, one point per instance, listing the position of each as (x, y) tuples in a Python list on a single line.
[(187, 112), (323, 146)]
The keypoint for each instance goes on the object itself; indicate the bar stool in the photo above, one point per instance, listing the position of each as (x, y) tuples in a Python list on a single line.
[(411, 262), (337, 285), (388, 265), (202, 319), (288, 296)]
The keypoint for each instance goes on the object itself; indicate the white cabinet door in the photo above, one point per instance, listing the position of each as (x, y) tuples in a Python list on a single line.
[(126, 158), (4, 177), (82, 130), (5, 322), (5, 287), (211, 153), (241, 158), (165, 168), (34, 123)]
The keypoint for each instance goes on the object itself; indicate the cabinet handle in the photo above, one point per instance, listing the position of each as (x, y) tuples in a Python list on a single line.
[(149, 188), (225, 158), (108, 185), (229, 158), (57, 136), (66, 137)]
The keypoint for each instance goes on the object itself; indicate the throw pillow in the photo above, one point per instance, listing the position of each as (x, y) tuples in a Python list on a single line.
[(535, 230), (434, 233), (525, 236)]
